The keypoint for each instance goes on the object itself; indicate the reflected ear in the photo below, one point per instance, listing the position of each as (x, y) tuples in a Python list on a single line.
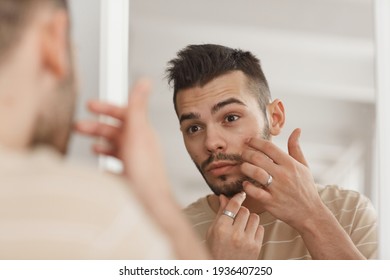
[(55, 45), (276, 117)]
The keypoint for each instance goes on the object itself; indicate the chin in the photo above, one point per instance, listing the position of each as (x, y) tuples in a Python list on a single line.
[(228, 188)]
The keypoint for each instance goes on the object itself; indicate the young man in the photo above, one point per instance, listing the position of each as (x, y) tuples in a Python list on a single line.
[(266, 204), (50, 209)]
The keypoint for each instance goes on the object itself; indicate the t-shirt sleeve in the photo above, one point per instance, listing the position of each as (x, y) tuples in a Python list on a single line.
[(364, 229)]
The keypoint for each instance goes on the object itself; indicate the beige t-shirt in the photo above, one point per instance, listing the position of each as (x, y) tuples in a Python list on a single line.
[(354, 212), (50, 209)]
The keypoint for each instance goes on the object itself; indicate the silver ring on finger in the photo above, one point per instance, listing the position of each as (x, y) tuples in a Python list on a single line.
[(269, 181), (228, 213)]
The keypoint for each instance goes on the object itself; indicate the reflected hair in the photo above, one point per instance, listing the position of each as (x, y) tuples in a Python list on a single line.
[(196, 65)]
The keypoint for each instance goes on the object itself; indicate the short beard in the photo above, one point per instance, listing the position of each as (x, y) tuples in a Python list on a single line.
[(230, 190), (233, 188)]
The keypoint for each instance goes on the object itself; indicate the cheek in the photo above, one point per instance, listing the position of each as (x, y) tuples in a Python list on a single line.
[(252, 127), (244, 132), (193, 150)]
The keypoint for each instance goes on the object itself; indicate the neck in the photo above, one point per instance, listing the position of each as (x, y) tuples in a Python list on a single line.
[(17, 110), (250, 203)]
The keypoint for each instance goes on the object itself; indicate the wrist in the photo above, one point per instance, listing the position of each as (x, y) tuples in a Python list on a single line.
[(316, 222)]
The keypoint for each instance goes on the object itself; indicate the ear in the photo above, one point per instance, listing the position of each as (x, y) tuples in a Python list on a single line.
[(276, 117), (55, 44)]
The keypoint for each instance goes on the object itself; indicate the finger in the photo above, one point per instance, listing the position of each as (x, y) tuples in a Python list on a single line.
[(252, 225), (241, 219), (259, 234), (294, 149), (261, 195), (138, 103), (256, 173), (104, 108), (98, 129), (233, 206), (268, 148), (223, 201), (105, 149), (258, 159)]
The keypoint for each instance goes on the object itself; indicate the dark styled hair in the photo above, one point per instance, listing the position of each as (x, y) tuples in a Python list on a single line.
[(14, 16), (196, 65)]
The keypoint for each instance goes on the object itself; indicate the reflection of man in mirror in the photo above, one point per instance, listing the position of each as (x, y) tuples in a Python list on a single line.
[(50, 209), (266, 204)]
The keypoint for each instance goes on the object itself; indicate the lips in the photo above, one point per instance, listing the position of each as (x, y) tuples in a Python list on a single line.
[(220, 168)]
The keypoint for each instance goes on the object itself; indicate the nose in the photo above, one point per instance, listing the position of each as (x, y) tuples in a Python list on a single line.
[(215, 140)]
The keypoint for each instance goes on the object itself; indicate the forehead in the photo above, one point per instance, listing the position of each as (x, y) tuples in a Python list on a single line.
[(231, 85)]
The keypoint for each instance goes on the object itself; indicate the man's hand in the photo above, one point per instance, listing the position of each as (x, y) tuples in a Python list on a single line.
[(292, 185), (134, 141), (292, 197), (235, 238), (111, 134)]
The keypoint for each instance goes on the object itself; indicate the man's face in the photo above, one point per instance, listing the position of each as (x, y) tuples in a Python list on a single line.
[(216, 120)]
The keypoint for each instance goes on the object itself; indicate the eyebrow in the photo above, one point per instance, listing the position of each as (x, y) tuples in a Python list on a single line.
[(224, 103), (189, 116), (214, 109)]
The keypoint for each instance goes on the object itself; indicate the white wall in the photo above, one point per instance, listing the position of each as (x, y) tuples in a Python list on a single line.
[(383, 115), (86, 34)]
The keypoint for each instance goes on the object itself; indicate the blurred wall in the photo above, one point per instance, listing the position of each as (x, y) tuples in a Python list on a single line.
[(86, 34)]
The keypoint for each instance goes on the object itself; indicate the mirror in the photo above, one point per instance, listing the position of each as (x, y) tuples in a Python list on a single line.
[(318, 57)]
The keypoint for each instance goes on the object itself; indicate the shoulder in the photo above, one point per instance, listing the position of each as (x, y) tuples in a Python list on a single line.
[(200, 216), (336, 197), (356, 215), (347, 205), (41, 193), (198, 208)]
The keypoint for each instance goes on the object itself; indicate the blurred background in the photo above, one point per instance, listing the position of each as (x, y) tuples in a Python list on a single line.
[(318, 56)]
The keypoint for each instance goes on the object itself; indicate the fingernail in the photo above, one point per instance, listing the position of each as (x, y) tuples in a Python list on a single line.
[(243, 194)]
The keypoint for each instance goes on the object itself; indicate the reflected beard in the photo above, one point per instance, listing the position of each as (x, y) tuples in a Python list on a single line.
[(233, 188), (227, 189)]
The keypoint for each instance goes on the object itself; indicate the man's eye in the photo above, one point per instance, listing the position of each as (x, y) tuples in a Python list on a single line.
[(193, 129), (231, 118)]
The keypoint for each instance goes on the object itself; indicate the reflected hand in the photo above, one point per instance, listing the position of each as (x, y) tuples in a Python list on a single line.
[(235, 238), (292, 196)]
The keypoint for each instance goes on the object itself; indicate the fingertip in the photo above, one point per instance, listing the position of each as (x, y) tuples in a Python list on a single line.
[(298, 133), (144, 85), (92, 103), (222, 197), (240, 196), (255, 191), (245, 184)]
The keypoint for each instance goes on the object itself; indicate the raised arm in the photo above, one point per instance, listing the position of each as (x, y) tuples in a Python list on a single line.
[(293, 198), (134, 141)]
